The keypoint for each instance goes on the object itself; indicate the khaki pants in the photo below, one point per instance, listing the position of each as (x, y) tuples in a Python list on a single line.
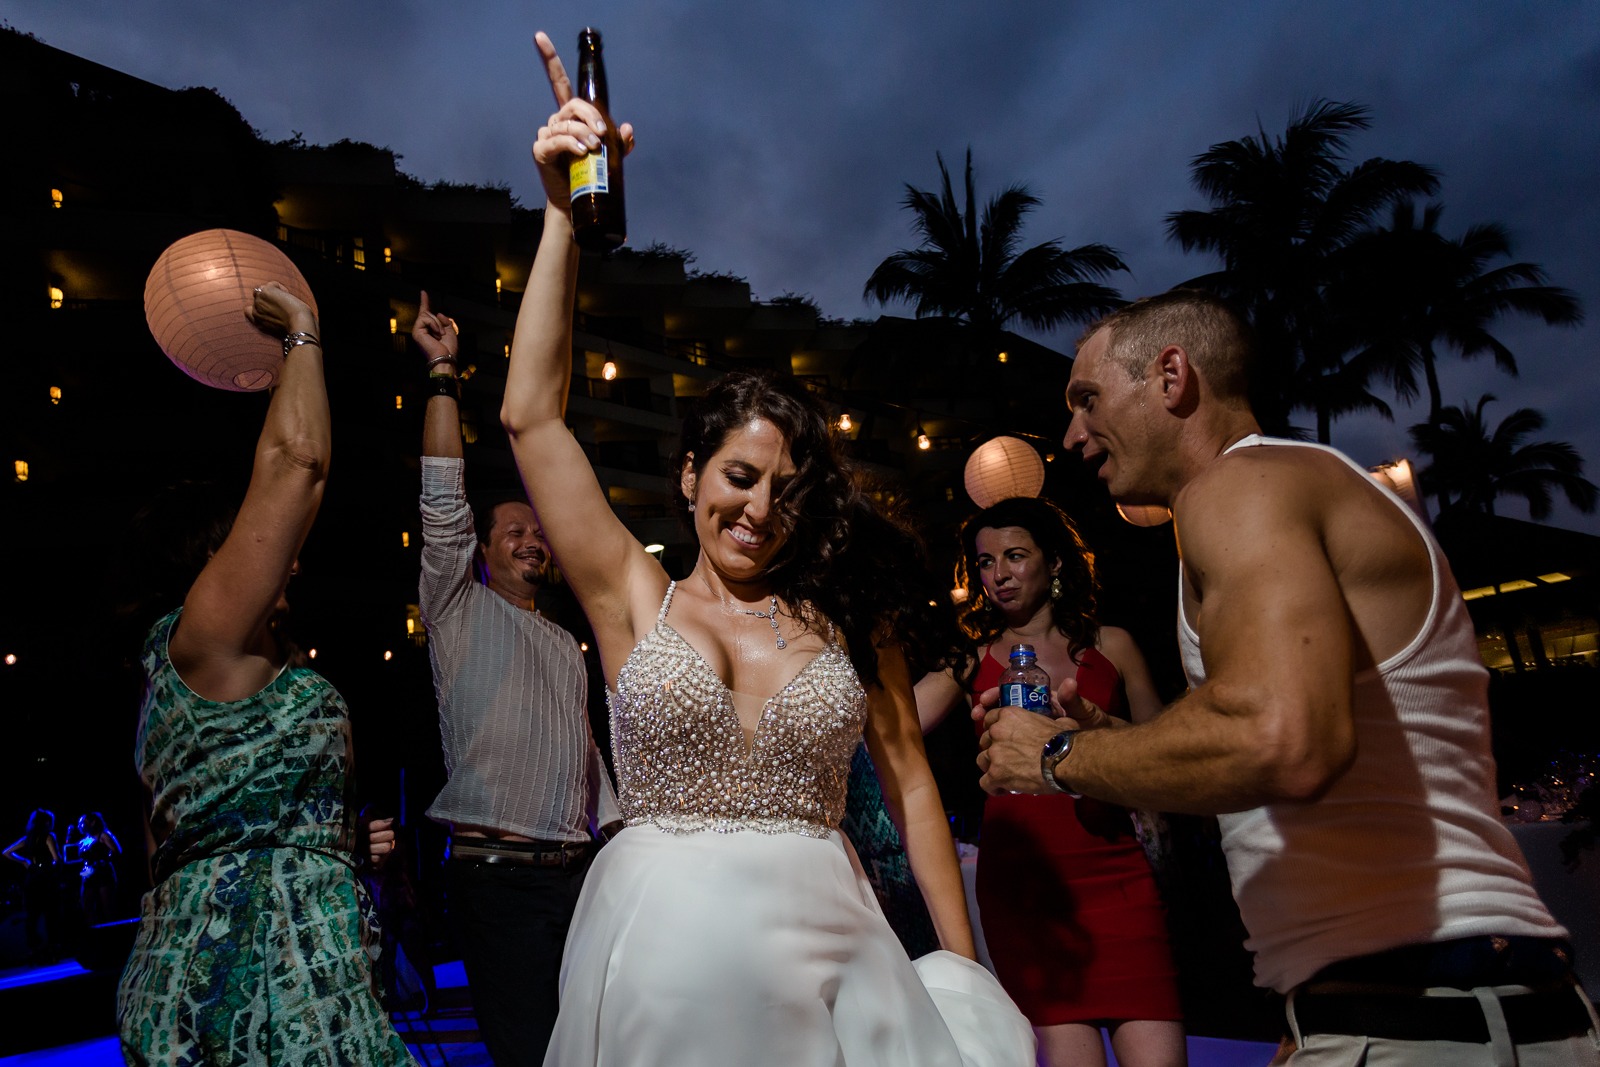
[(1354, 1050)]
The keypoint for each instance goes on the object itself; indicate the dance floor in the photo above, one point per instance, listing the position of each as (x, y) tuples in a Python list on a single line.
[(430, 1037)]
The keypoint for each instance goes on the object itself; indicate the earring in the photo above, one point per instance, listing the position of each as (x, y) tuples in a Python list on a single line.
[(1055, 589), (691, 508)]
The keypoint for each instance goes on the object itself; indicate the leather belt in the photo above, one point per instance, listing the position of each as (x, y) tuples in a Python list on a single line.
[(1459, 963), (1530, 1017), (518, 853)]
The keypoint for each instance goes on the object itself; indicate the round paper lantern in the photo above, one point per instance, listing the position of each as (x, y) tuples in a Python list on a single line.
[(1003, 468), (1145, 514), (195, 299)]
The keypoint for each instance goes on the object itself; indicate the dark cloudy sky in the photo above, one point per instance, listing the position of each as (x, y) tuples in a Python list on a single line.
[(775, 138)]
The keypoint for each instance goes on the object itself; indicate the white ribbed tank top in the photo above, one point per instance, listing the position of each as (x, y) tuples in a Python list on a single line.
[(1407, 846)]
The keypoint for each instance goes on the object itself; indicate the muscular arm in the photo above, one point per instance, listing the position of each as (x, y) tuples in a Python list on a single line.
[(222, 648), (894, 740), (1273, 722)]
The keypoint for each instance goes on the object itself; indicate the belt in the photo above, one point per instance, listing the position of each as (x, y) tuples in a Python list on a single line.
[(518, 853), (1530, 1017), (1460, 963)]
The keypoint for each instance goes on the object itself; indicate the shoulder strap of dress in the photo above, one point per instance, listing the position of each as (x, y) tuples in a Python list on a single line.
[(666, 602)]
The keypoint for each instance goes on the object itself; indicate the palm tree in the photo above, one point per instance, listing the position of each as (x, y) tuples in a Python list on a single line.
[(1283, 211), (1476, 464), (1425, 291), (971, 271)]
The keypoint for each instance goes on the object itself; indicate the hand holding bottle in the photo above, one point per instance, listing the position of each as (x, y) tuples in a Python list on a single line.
[(577, 128)]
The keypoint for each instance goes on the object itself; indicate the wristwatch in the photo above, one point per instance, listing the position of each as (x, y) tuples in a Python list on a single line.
[(1055, 750)]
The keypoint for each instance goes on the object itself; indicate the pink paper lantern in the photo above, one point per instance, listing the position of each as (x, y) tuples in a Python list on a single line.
[(1003, 468), (195, 299)]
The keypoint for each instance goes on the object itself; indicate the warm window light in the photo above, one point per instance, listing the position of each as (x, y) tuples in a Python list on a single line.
[(399, 402), (1478, 593), (1515, 584), (922, 440), (358, 253), (387, 655), (411, 626), (1004, 357), (1049, 457), (405, 539), (55, 394), (57, 297), (21, 467), (497, 285), (846, 423), (609, 371), (394, 324), (388, 254), (1554, 577), (55, 198), (311, 653), (468, 371), (508, 349)]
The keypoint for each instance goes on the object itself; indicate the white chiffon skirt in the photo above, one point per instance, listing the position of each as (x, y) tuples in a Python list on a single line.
[(723, 950)]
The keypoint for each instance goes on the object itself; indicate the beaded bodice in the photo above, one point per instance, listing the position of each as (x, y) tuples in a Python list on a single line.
[(681, 756)]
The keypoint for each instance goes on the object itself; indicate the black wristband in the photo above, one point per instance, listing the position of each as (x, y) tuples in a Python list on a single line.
[(445, 385)]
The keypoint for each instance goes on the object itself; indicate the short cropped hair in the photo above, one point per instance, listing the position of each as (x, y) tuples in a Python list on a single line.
[(484, 508), (1207, 327)]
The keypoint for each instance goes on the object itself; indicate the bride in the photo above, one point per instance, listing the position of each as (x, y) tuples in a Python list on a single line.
[(730, 923)]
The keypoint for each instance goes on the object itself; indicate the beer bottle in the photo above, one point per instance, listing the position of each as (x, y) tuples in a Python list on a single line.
[(599, 218)]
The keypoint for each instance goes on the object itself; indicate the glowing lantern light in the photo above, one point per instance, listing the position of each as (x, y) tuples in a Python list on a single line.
[(1001, 469), (846, 423), (312, 653), (195, 299), (923, 441), (1145, 514), (387, 655), (11, 659), (609, 371)]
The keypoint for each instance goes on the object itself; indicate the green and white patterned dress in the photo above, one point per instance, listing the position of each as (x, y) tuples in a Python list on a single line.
[(253, 947)]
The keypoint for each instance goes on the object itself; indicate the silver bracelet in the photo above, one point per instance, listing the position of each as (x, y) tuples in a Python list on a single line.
[(296, 339), (448, 357)]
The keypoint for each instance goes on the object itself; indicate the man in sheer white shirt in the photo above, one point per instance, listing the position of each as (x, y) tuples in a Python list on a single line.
[(527, 793)]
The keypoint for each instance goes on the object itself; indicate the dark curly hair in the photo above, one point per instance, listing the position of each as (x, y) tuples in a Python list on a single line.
[(1073, 612), (851, 559)]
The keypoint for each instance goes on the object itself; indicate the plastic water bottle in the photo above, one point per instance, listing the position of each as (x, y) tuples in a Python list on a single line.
[(1025, 685)]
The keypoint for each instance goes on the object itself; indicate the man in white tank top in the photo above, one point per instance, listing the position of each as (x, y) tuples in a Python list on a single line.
[(1337, 720)]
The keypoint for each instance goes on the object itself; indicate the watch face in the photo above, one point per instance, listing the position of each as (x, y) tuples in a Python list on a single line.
[(1058, 745)]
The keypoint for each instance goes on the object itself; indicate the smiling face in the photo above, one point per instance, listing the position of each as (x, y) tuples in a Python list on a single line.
[(1112, 422), (738, 528), (516, 552), (1014, 571)]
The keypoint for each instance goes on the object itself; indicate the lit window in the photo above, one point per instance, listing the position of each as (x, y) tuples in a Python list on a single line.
[(949, 493), (55, 198), (56, 297), (358, 253), (1478, 593), (411, 626), (1554, 576), (388, 254), (508, 349), (1004, 357), (387, 655), (1516, 584), (609, 371), (497, 285), (399, 402), (21, 467), (394, 324), (55, 394), (405, 539)]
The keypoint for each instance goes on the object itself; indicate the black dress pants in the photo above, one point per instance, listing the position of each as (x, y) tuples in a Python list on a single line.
[(510, 923)]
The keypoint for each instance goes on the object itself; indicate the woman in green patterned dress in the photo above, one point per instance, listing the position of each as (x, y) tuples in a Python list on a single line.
[(252, 946)]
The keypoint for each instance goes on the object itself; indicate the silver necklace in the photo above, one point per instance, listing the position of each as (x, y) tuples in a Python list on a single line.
[(771, 614)]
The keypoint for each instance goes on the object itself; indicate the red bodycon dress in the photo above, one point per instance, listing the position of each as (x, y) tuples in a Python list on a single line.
[(1068, 905)]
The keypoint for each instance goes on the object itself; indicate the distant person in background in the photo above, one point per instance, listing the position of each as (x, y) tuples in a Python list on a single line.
[(1066, 898), (527, 794), (37, 852), (253, 947), (97, 852)]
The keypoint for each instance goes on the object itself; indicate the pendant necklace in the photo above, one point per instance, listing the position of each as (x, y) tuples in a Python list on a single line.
[(771, 614)]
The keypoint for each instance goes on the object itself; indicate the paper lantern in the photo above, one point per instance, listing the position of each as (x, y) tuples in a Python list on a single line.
[(1145, 514), (1003, 468), (195, 299)]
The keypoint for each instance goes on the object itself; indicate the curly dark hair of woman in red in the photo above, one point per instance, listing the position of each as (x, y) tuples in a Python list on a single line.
[(1073, 612), (843, 554)]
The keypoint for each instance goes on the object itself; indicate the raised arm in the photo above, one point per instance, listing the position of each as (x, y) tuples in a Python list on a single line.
[(1273, 722), (435, 334), (598, 557), (894, 740), (222, 647)]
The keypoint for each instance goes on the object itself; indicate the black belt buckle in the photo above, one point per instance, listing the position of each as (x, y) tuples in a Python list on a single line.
[(517, 853)]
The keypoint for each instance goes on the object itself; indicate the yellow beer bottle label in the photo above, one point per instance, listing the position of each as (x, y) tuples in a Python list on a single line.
[(590, 174)]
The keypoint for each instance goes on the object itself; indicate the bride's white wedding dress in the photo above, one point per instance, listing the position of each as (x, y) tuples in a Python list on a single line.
[(729, 924)]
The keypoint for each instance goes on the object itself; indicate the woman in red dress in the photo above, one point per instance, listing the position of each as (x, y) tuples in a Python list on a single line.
[(1066, 899)]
